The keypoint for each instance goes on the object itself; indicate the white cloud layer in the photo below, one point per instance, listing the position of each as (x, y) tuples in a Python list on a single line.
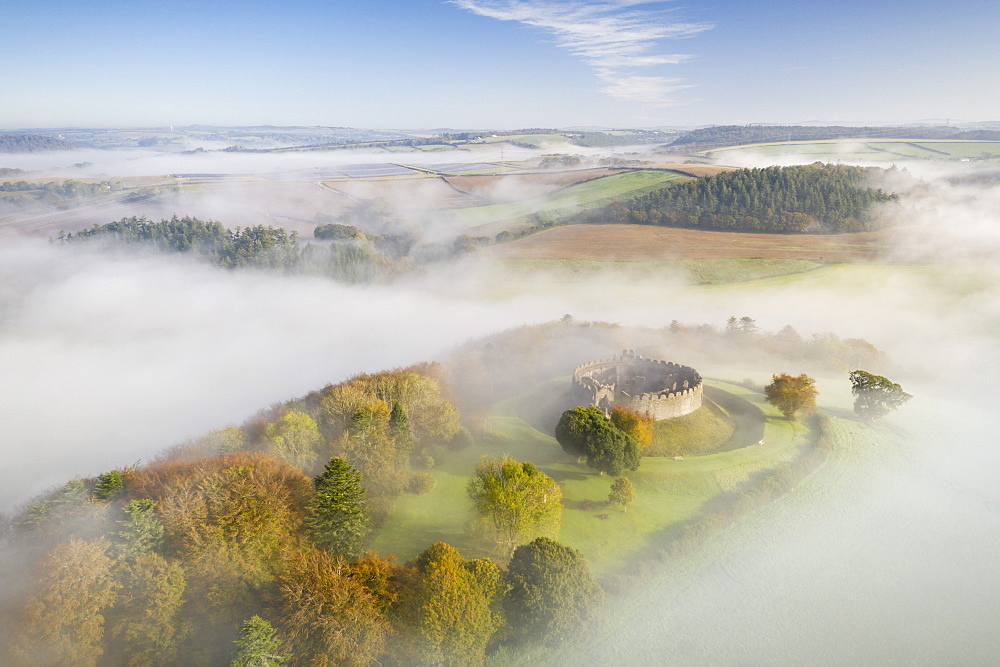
[(612, 37)]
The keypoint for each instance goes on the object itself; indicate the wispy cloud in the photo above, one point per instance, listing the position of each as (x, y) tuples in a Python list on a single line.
[(612, 36)]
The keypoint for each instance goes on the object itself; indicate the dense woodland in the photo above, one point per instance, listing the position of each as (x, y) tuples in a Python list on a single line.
[(226, 549), (254, 247), (54, 193), (817, 197), (252, 542), (31, 143)]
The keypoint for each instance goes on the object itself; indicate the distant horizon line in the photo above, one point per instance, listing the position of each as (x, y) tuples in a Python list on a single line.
[(930, 122)]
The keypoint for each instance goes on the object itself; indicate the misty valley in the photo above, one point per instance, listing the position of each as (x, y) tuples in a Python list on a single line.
[(319, 396)]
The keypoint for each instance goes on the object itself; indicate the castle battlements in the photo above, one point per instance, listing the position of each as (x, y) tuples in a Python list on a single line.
[(659, 389)]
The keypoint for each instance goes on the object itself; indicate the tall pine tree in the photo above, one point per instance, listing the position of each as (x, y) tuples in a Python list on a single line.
[(399, 427), (338, 517), (257, 646)]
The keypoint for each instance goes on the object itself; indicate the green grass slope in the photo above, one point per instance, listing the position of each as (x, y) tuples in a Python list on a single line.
[(567, 201), (692, 271), (888, 150), (669, 492)]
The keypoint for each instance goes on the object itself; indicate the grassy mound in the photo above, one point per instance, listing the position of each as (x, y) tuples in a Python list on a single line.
[(670, 494), (705, 430)]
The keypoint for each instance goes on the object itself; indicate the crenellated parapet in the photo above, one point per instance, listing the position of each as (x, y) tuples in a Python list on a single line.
[(659, 389)]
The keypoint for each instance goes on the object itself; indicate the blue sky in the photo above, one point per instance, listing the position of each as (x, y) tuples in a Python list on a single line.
[(496, 63)]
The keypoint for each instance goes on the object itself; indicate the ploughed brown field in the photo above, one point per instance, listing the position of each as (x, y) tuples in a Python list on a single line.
[(645, 243)]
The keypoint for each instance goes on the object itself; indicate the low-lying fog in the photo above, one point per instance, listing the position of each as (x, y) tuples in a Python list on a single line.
[(278, 189), (108, 359)]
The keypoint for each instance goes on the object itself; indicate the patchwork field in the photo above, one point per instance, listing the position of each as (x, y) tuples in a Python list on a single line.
[(648, 243), (861, 149), (489, 183), (563, 203)]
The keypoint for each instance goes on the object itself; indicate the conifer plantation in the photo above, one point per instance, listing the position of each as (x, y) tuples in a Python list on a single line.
[(808, 198)]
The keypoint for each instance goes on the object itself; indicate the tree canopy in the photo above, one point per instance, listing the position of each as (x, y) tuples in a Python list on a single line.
[(631, 422), (327, 615), (588, 432), (791, 394), (622, 493), (293, 438), (259, 246), (337, 517), (552, 593), (451, 607), (257, 645), (32, 143), (516, 499), (875, 396), (816, 197), (63, 620)]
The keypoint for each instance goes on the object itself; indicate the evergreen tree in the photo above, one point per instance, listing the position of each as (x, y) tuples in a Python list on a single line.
[(337, 516), (399, 428), (140, 530), (575, 428), (613, 451), (57, 507), (109, 485), (552, 593), (589, 432), (832, 198), (257, 646)]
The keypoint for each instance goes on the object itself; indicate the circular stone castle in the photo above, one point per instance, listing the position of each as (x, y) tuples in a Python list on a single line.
[(658, 389)]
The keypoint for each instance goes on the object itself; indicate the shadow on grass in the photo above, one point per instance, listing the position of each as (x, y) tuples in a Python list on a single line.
[(748, 418), (561, 475), (591, 507)]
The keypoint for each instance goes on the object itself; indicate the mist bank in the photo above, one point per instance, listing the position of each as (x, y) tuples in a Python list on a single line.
[(886, 554), (135, 353), (109, 359)]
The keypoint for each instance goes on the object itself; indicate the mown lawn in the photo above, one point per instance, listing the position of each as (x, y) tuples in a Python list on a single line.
[(669, 492)]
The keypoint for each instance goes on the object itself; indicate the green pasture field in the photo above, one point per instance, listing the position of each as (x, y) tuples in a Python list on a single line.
[(868, 149), (854, 444), (424, 148), (505, 169), (692, 271), (960, 149), (534, 139), (819, 149), (568, 200), (669, 491), (955, 281)]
